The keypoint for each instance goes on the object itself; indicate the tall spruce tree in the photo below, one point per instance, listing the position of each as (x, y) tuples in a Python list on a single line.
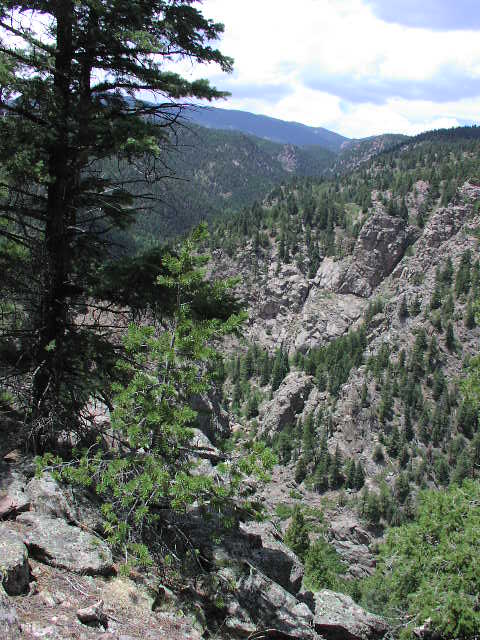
[(73, 129)]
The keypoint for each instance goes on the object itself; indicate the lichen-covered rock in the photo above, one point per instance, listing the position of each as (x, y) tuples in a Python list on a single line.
[(289, 401), (47, 497), (14, 570), (9, 625), (338, 617), (380, 247), (212, 419), (53, 541)]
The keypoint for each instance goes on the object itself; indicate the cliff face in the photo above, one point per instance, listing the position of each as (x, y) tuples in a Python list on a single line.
[(385, 285)]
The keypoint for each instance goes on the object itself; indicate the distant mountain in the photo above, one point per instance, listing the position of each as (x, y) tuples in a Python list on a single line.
[(218, 172), (267, 128)]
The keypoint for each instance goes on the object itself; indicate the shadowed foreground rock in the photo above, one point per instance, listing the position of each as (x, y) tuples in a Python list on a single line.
[(14, 571), (260, 603), (337, 617), (55, 542)]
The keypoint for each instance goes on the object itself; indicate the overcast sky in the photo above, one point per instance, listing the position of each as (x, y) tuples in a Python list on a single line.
[(358, 67)]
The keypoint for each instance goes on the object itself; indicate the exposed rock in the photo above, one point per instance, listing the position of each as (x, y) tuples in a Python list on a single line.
[(48, 498), (337, 617), (330, 274), (379, 248), (93, 615), (287, 403), (53, 541), (212, 419), (9, 625), (324, 317), (274, 558), (260, 603), (14, 570), (13, 498), (124, 595), (351, 542)]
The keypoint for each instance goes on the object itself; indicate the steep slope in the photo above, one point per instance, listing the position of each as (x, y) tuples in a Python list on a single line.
[(215, 172), (361, 296), (269, 128)]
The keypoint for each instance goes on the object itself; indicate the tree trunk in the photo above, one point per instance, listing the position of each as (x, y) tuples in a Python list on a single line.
[(53, 317)]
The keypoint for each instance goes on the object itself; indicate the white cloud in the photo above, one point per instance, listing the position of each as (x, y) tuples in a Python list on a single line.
[(277, 44)]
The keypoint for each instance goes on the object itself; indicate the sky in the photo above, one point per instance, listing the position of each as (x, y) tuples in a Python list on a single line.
[(357, 67)]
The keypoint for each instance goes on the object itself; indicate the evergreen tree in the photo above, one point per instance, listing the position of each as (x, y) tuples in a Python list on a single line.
[(372, 508), (350, 469), (450, 337), (308, 438), (469, 316), (296, 535), (70, 108), (300, 471), (359, 476), (364, 401), (402, 487), (463, 278), (335, 471), (403, 309)]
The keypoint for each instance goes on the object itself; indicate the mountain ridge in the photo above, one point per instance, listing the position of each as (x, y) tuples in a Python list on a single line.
[(267, 127)]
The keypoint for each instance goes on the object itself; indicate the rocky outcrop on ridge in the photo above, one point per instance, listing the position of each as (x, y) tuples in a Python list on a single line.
[(287, 404), (380, 247)]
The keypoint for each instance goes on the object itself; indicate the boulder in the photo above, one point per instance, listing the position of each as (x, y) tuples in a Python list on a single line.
[(212, 419), (380, 246), (273, 557), (13, 499), (53, 541), (260, 603), (351, 542), (14, 570), (338, 617), (289, 401), (9, 625), (48, 498), (93, 615)]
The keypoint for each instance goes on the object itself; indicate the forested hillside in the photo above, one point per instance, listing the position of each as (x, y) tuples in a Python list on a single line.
[(214, 172), (268, 430), (268, 128), (362, 293)]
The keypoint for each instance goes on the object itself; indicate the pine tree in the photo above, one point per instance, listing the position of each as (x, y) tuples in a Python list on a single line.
[(463, 278), (408, 428), (308, 438), (359, 476), (364, 401), (438, 384), (335, 471), (69, 105), (450, 337), (296, 535), (463, 468), (402, 487), (469, 316), (372, 508), (300, 471), (350, 469), (403, 309)]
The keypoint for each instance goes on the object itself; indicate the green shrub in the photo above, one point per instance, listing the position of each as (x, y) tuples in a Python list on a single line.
[(322, 566), (429, 569)]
